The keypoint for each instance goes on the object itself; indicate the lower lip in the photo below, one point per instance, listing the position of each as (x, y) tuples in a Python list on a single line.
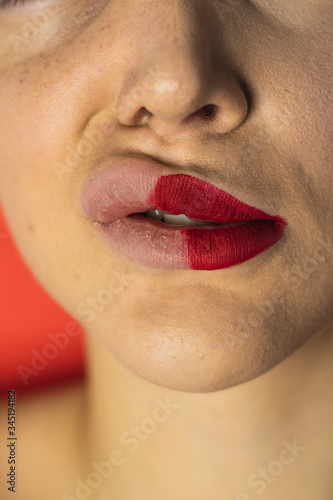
[(156, 244)]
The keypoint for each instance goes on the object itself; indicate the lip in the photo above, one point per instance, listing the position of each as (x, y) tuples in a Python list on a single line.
[(114, 198)]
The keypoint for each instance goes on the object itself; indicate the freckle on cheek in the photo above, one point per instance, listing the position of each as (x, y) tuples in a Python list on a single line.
[(31, 228)]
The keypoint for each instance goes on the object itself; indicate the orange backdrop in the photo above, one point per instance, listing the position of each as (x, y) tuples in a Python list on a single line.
[(39, 342)]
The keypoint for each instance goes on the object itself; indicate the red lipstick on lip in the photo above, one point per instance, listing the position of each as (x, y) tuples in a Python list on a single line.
[(113, 200)]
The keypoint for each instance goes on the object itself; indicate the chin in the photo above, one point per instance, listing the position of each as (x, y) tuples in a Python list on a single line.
[(196, 357), (199, 339)]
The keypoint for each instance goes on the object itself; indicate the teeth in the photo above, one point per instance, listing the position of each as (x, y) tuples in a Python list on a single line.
[(181, 220), (175, 220), (155, 214)]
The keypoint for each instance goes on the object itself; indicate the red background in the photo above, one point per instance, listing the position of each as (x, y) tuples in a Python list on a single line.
[(27, 315)]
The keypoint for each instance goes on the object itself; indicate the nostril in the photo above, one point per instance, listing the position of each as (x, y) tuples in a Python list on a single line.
[(207, 111), (141, 117)]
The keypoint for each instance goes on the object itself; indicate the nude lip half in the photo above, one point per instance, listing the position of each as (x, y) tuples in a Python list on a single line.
[(114, 199)]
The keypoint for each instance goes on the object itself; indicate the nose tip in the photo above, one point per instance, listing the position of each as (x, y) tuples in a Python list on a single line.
[(171, 95), (170, 103)]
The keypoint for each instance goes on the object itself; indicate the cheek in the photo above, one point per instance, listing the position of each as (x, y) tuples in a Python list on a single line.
[(42, 122), (40, 126), (31, 194), (313, 129)]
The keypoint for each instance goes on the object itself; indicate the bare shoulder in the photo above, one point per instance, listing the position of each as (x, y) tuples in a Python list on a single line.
[(48, 445)]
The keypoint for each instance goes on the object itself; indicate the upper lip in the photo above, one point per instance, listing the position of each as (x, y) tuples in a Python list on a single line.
[(128, 186)]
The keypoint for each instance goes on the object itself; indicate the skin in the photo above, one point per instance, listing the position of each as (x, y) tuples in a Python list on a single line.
[(246, 351)]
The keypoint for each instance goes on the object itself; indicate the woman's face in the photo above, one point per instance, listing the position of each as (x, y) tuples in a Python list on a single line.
[(85, 83)]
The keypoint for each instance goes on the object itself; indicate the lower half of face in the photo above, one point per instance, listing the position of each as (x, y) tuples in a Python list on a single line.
[(191, 330), (195, 331)]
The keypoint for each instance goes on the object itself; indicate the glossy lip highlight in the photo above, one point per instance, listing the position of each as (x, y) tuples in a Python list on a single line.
[(114, 198)]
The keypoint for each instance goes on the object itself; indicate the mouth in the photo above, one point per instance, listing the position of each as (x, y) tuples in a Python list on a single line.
[(174, 221)]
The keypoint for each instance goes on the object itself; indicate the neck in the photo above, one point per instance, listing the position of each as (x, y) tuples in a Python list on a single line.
[(258, 436)]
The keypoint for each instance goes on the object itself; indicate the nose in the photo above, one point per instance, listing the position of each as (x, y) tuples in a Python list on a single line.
[(180, 81)]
